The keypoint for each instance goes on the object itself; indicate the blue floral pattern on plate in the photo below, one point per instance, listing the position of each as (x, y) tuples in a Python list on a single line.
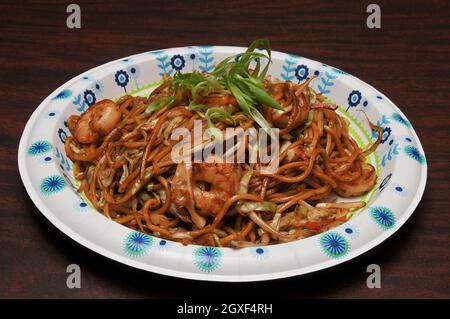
[(177, 62), (288, 68), (301, 72), (206, 58), (39, 148), (386, 129), (327, 82), (64, 163), (89, 97), (122, 78), (137, 244), (389, 155), (207, 259), (334, 244), (64, 94), (52, 184), (398, 118), (354, 98), (164, 65), (383, 217), (414, 153), (79, 103)]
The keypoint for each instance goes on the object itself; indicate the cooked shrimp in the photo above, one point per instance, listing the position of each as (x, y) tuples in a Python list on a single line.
[(72, 122), (105, 116), (223, 181), (97, 121), (82, 132), (210, 185), (359, 186)]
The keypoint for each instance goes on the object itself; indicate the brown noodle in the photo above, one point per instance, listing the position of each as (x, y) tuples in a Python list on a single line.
[(127, 173)]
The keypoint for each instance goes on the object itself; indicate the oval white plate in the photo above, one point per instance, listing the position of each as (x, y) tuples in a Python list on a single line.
[(47, 173)]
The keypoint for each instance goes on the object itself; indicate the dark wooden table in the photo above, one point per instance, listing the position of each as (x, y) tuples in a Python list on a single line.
[(407, 59)]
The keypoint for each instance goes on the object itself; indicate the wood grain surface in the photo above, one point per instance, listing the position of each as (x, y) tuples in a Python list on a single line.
[(407, 59)]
